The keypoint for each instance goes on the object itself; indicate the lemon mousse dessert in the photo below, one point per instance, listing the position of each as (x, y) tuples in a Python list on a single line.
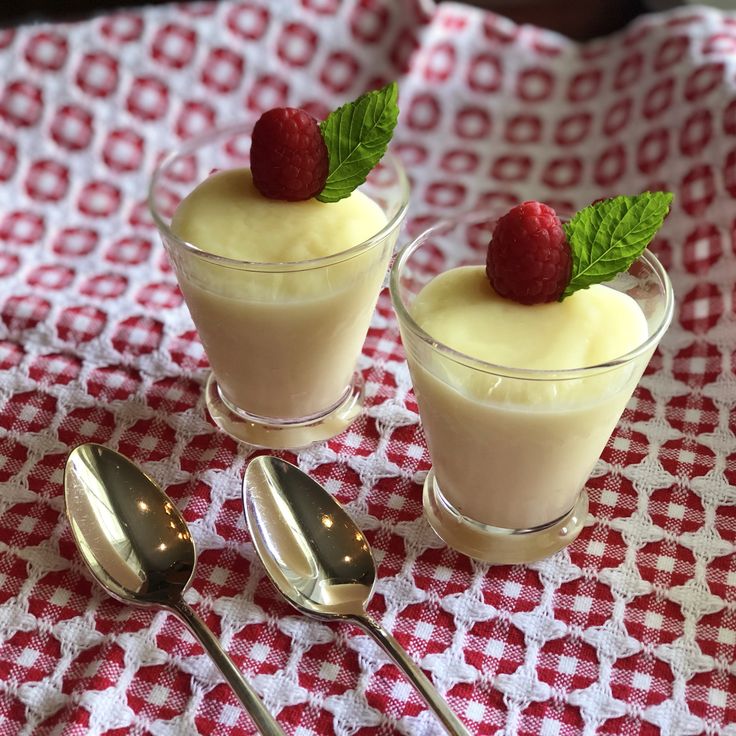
[(520, 373), (284, 344), (280, 264)]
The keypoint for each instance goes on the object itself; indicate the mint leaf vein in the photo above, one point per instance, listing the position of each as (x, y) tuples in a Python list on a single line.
[(356, 136), (607, 237)]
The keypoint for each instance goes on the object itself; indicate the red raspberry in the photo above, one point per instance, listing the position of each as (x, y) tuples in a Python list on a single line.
[(288, 156), (528, 257)]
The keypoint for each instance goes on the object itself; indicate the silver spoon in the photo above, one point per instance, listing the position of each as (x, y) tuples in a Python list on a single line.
[(320, 560), (138, 546)]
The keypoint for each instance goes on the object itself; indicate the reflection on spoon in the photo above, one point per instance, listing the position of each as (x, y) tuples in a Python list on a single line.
[(138, 546), (320, 560)]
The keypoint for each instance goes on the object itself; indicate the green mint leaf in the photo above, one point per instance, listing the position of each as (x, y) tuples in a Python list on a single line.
[(607, 237), (356, 136)]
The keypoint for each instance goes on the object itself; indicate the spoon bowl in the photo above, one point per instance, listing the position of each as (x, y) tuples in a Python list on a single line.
[(131, 537), (139, 548), (316, 556), (320, 560)]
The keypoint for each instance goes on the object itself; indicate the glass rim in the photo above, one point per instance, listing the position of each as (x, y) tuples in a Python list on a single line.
[(530, 374), (198, 141)]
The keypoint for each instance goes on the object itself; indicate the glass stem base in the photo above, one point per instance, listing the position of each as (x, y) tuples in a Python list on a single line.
[(498, 545), (279, 434)]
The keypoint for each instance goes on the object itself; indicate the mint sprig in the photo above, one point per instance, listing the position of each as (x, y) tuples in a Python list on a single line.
[(607, 237), (356, 136)]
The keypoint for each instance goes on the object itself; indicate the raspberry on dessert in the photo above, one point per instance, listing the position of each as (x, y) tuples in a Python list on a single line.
[(529, 257), (288, 156)]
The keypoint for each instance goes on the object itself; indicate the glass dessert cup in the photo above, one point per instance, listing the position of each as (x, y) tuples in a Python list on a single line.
[(282, 339), (512, 448)]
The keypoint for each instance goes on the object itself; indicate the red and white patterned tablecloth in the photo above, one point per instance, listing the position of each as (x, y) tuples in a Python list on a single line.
[(632, 630)]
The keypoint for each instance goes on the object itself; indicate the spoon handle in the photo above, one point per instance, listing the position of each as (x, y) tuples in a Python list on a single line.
[(264, 721), (426, 689)]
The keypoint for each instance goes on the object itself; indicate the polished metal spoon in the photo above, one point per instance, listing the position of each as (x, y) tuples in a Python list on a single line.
[(138, 546), (320, 560)]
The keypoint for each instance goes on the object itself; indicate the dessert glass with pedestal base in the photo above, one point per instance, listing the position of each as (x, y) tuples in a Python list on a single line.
[(281, 293), (517, 410)]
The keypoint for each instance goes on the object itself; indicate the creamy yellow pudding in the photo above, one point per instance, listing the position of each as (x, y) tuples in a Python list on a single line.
[(226, 215), (508, 451), (282, 340)]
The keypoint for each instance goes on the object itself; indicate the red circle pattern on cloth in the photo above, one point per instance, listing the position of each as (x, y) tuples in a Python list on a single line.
[(632, 630)]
